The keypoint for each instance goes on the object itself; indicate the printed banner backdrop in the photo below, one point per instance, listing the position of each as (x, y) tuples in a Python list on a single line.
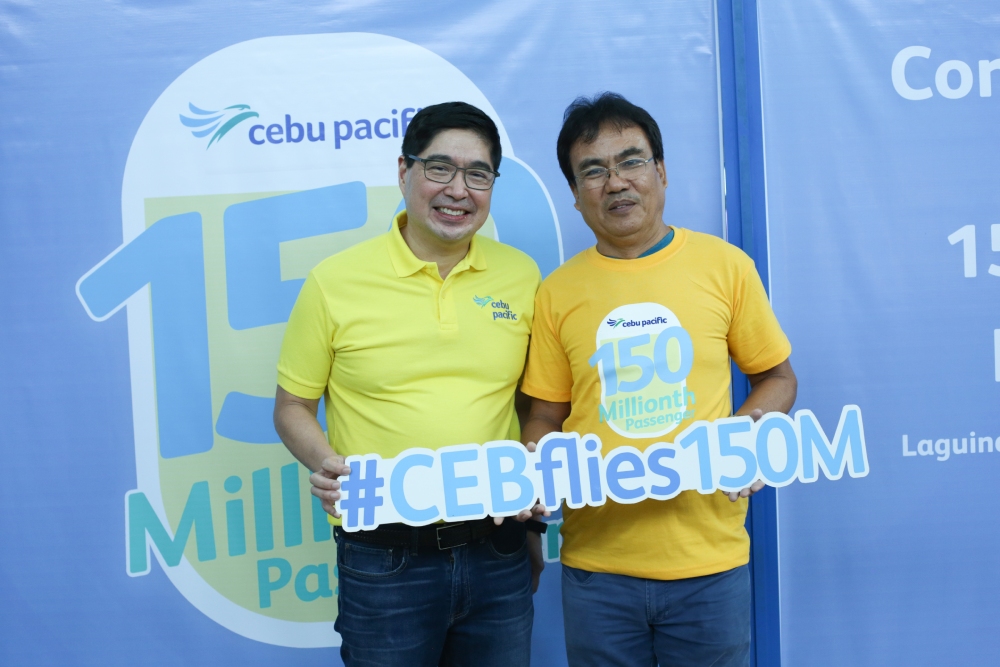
[(169, 175), (882, 164)]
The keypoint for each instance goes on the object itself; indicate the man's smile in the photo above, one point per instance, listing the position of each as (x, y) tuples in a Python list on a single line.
[(622, 205), (452, 213)]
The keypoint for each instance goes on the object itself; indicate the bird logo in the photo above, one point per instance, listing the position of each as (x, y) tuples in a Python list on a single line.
[(205, 122)]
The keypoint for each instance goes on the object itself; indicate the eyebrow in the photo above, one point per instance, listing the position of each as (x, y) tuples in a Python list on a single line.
[(475, 164), (592, 161)]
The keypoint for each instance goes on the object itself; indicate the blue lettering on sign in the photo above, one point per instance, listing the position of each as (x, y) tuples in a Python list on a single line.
[(615, 474), (282, 569), (654, 459), (452, 483), (547, 465), (833, 458), (784, 426), (145, 526), (697, 435), (727, 448), (294, 132), (169, 257), (605, 355), (362, 492), (566, 467), (499, 477), (147, 531), (411, 514), (265, 584), (256, 294), (525, 217)]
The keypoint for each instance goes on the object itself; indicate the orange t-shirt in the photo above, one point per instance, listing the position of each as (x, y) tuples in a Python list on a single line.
[(640, 348)]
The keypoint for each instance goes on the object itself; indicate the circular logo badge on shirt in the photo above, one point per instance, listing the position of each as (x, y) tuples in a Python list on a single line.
[(643, 356)]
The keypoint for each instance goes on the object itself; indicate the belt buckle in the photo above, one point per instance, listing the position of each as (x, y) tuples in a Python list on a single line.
[(437, 534)]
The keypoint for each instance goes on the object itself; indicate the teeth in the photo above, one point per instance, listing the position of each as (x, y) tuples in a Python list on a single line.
[(451, 211)]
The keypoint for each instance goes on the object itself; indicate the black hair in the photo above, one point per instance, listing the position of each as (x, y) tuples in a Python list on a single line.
[(583, 119), (432, 120)]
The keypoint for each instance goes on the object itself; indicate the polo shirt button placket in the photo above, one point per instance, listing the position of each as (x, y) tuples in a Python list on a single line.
[(446, 306)]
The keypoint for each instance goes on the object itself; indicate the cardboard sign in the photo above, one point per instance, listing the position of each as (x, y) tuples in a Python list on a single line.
[(502, 478)]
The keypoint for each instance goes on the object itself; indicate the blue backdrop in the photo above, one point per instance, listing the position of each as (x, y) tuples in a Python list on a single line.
[(95, 155), (864, 136), (881, 168)]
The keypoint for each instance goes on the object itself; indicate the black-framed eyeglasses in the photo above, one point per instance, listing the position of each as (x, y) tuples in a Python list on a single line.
[(595, 177), (439, 171)]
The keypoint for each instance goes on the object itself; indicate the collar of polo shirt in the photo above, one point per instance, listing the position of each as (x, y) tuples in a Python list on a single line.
[(406, 263)]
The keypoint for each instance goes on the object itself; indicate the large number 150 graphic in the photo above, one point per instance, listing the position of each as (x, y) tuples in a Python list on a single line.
[(643, 358), (647, 366), (169, 256)]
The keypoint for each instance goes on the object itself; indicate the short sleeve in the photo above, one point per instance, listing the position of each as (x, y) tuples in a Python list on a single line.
[(756, 341), (307, 350), (548, 375)]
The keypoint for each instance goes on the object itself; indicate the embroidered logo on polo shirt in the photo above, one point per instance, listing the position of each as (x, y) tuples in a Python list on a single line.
[(501, 310)]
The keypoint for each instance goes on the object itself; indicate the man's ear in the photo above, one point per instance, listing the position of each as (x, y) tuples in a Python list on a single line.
[(576, 197), (402, 174)]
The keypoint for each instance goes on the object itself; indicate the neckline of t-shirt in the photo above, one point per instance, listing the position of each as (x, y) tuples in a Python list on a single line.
[(639, 263)]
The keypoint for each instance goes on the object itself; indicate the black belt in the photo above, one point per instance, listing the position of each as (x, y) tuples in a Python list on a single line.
[(435, 536)]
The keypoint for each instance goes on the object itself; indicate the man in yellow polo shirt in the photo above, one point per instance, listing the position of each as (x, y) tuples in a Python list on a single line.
[(632, 341), (418, 338)]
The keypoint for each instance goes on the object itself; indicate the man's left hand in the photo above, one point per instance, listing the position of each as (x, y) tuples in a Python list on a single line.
[(537, 510), (747, 492), (756, 486)]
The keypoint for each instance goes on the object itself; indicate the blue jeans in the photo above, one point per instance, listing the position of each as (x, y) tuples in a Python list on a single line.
[(466, 606), (612, 620)]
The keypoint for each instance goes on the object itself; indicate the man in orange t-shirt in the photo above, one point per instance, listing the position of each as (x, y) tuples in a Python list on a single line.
[(632, 341)]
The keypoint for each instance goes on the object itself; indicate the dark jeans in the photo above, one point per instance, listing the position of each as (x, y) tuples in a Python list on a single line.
[(612, 620), (466, 606)]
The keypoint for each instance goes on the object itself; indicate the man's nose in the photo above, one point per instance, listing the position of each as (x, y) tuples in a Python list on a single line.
[(616, 183), (456, 188)]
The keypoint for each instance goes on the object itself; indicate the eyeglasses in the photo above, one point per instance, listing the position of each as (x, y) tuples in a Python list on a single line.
[(443, 172), (595, 177)]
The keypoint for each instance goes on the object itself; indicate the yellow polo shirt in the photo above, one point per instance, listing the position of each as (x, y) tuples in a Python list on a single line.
[(405, 358)]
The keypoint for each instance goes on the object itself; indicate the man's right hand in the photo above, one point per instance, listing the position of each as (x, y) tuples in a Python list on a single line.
[(538, 510), (326, 482)]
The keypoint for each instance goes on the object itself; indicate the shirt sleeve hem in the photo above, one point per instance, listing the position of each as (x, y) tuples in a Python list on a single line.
[(299, 389), (768, 362), (545, 394)]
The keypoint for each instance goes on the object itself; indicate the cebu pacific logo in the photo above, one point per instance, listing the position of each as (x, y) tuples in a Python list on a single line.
[(216, 123), (631, 322), (207, 277), (501, 309), (643, 358)]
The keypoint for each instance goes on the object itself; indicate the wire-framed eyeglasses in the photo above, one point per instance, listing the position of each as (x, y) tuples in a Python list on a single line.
[(596, 176), (476, 178)]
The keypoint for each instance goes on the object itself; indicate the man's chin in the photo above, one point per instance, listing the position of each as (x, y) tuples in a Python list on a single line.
[(624, 228), (456, 233)]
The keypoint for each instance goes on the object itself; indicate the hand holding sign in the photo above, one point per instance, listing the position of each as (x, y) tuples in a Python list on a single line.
[(502, 478), (538, 510), (757, 485), (326, 484)]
